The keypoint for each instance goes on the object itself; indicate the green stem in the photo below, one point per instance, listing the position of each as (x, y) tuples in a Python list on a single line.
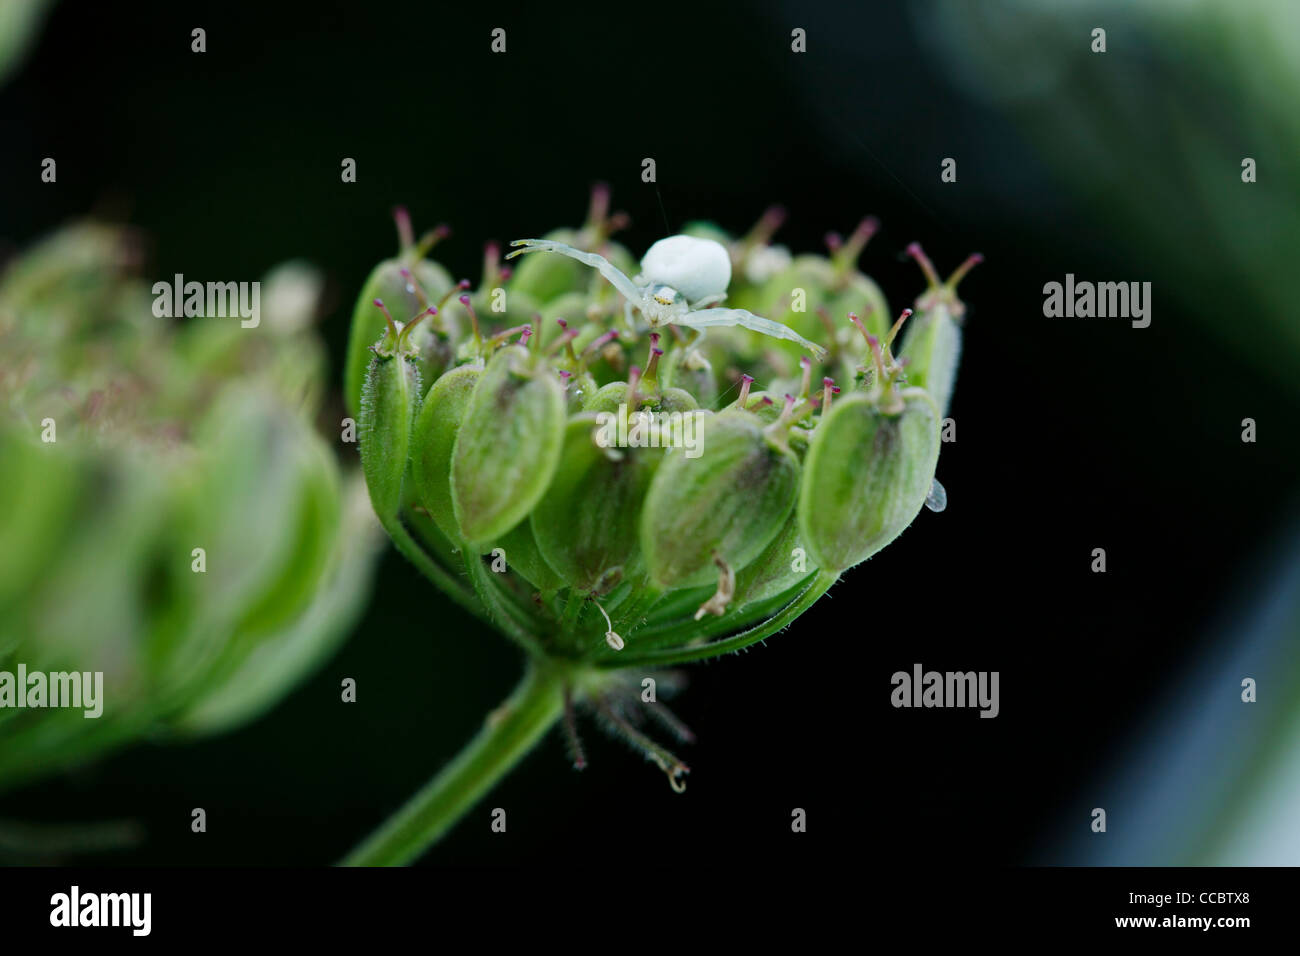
[(819, 585), (510, 732), (500, 609), (442, 579)]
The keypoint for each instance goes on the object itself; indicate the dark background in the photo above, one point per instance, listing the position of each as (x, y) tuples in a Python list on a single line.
[(1071, 435)]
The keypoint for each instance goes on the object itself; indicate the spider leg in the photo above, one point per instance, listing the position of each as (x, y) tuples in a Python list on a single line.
[(602, 265), (705, 318), (709, 300)]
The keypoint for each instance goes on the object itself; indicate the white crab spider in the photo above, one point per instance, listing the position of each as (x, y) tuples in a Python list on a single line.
[(679, 276)]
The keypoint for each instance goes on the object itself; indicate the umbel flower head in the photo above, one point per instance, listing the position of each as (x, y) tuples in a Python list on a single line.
[(626, 467), (170, 519)]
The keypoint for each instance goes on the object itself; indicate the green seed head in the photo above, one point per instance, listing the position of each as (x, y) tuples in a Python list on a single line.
[(651, 488), (933, 342)]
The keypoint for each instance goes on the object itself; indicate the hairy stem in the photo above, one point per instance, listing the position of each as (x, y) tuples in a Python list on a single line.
[(509, 733)]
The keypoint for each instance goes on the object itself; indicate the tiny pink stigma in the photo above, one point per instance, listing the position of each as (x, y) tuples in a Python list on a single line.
[(654, 349), (617, 223), (853, 317), (745, 382), (971, 262), (506, 273), (600, 342), (413, 286), (828, 389), (767, 400), (405, 333), (906, 314), (652, 367), (773, 217), (525, 335), (405, 235), (431, 239), (473, 316), (874, 344), (598, 206), (834, 241), (563, 325), (564, 341), (860, 237), (463, 284), (914, 250), (392, 328)]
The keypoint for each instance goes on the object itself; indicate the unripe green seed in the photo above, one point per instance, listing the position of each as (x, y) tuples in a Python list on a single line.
[(866, 476), (932, 342), (586, 523), (774, 571), (508, 446), (677, 400), (730, 501), (402, 297), (932, 346), (389, 403), (433, 441), (607, 398)]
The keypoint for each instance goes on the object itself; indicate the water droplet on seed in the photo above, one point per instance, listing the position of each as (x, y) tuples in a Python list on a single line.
[(937, 499)]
